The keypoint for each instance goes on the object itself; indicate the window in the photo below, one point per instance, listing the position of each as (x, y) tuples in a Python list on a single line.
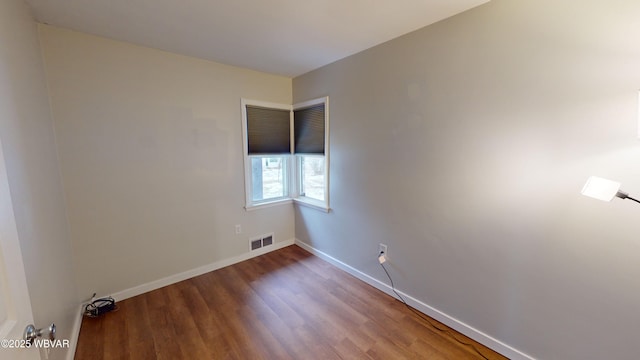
[(286, 153), (311, 177), (267, 144), (310, 129), (268, 178)]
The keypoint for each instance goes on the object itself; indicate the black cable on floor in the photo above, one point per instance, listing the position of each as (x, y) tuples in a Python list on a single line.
[(446, 331), (99, 307)]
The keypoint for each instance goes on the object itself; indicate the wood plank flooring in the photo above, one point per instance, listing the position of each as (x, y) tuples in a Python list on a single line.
[(287, 304)]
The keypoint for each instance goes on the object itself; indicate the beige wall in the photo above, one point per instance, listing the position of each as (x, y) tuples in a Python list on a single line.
[(150, 148), (464, 147), (29, 148)]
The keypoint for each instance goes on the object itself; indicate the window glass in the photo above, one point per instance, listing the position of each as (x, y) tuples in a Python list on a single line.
[(312, 183), (268, 175)]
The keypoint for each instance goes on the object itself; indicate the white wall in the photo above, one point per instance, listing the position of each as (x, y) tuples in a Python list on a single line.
[(464, 147), (29, 148), (150, 149)]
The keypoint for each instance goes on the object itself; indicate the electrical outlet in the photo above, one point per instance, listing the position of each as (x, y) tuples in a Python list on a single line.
[(382, 248), (238, 229)]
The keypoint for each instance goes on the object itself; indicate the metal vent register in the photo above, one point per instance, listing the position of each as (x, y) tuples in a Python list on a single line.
[(261, 241)]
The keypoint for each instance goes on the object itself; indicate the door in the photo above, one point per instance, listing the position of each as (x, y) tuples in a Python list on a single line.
[(15, 305)]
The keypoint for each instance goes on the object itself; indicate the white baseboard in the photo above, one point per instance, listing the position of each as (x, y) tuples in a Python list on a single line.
[(157, 284), (434, 313)]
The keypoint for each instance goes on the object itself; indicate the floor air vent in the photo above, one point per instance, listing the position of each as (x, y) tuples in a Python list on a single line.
[(261, 241)]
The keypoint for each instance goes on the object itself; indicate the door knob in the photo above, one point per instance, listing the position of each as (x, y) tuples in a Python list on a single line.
[(31, 333)]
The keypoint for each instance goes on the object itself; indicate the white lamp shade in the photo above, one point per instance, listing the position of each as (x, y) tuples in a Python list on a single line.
[(601, 189)]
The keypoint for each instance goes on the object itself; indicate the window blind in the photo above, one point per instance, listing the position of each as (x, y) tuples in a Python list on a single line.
[(309, 130), (268, 131)]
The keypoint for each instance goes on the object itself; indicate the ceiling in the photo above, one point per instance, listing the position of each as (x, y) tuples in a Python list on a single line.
[(285, 37)]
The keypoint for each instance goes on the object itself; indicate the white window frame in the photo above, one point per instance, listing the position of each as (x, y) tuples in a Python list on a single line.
[(291, 161), (297, 196), (250, 204)]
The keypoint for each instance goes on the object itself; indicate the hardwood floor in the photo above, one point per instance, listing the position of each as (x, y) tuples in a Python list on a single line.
[(287, 304)]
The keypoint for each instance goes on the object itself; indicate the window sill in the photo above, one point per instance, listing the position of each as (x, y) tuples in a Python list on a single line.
[(311, 203), (303, 201), (267, 204)]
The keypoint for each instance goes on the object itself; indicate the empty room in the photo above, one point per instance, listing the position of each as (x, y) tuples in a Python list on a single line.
[(437, 179)]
